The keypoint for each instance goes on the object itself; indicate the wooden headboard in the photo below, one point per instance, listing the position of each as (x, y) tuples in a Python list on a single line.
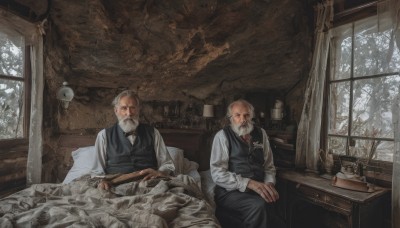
[(75, 141), (195, 143), (67, 144)]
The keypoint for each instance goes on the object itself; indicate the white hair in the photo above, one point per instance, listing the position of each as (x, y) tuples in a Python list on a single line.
[(243, 102), (125, 93)]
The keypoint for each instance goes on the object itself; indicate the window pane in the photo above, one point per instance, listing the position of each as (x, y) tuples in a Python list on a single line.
[(372, 109), (341, 54), (374, 149), (339, 108), (11, 109), (11, 55), (337, 145), (372, 52)]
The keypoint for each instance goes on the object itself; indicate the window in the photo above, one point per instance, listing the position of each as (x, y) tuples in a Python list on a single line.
[(363, 82), (14, 87)]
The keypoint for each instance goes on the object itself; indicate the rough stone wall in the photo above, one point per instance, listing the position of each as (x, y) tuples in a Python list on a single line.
[(186, 52), (189, 52), (178, 49)]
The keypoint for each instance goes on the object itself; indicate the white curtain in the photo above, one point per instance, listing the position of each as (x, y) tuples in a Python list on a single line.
[(34, 165), (309, 130), (12, 24), (396, 165), (394, 7)]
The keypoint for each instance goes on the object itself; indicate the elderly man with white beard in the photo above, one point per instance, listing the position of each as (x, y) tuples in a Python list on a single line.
[(242, 168), (129, 146)]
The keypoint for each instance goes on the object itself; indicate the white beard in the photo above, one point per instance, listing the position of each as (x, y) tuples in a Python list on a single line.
[(243, 129), (128, 124)]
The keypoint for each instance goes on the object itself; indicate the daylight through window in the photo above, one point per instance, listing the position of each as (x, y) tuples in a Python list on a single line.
[(364, 81), (12, 84)]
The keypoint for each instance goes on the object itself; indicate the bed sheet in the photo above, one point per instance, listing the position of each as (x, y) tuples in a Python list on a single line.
[(164, 202), (207, 187)]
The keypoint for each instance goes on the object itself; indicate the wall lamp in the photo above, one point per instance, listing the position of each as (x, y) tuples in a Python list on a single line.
[(65, 94)]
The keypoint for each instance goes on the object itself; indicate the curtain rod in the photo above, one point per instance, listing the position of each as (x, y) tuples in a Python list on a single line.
[(355, 9)]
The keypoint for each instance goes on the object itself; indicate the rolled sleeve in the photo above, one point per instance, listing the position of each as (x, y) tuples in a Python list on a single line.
[(164, 160), (269, 168), (100, 154)]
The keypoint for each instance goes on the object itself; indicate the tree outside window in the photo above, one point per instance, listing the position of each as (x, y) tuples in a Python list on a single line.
[(364, 81), (12, 86)]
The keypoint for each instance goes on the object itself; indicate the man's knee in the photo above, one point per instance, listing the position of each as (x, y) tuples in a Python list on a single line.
[(258, 207), (255, 212)]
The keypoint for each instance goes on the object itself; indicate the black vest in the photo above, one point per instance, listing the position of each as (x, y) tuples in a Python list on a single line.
[(123, 157), (246, 160)]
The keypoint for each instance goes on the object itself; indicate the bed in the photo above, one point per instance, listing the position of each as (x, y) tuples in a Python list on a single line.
[(180, 201)]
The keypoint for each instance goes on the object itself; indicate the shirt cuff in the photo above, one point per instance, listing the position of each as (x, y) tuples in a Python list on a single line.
[(167, 170), (243, 184), (269, 178)]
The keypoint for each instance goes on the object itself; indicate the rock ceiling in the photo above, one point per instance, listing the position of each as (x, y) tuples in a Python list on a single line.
[(165, 49)]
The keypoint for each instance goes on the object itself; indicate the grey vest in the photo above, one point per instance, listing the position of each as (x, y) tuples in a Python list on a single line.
[(246, 160), (123, 157)]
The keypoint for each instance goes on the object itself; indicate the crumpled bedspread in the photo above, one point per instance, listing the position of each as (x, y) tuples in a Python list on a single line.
[(175, 202)]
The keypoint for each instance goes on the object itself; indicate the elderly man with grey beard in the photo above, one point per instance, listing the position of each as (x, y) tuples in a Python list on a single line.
[(129, 146), (242, 168)]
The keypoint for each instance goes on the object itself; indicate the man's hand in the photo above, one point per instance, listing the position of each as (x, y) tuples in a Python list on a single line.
[(266, 191), (104, 185), (151, 174)]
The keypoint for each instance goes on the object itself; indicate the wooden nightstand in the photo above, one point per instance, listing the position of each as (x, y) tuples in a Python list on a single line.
[(309, 200)]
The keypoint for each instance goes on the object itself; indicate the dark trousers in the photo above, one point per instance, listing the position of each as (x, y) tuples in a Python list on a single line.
[(244, 209)]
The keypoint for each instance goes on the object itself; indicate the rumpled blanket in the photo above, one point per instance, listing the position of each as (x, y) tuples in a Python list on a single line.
[(164, 202)]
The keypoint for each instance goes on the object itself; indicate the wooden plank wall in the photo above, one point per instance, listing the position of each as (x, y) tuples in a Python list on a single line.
[(13, 170)]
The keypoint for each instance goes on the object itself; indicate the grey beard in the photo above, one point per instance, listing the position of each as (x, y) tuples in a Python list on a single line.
[(242, 129), (128, 124)]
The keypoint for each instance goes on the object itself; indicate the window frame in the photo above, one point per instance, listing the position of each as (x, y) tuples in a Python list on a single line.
[(381, 171), (9, 145)]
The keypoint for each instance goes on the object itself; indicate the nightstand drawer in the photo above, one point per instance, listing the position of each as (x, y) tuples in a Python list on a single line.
[(331, 201), (310, 193), (341, 203)]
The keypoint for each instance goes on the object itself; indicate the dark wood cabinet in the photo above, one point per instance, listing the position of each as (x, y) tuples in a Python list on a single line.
[(309, 200)]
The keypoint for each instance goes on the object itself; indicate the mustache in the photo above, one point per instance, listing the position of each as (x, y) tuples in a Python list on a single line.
[(245, 124), (128, 118)]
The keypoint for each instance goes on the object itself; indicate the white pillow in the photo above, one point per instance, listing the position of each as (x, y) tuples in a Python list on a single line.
[(183, 165), (84, 160)]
